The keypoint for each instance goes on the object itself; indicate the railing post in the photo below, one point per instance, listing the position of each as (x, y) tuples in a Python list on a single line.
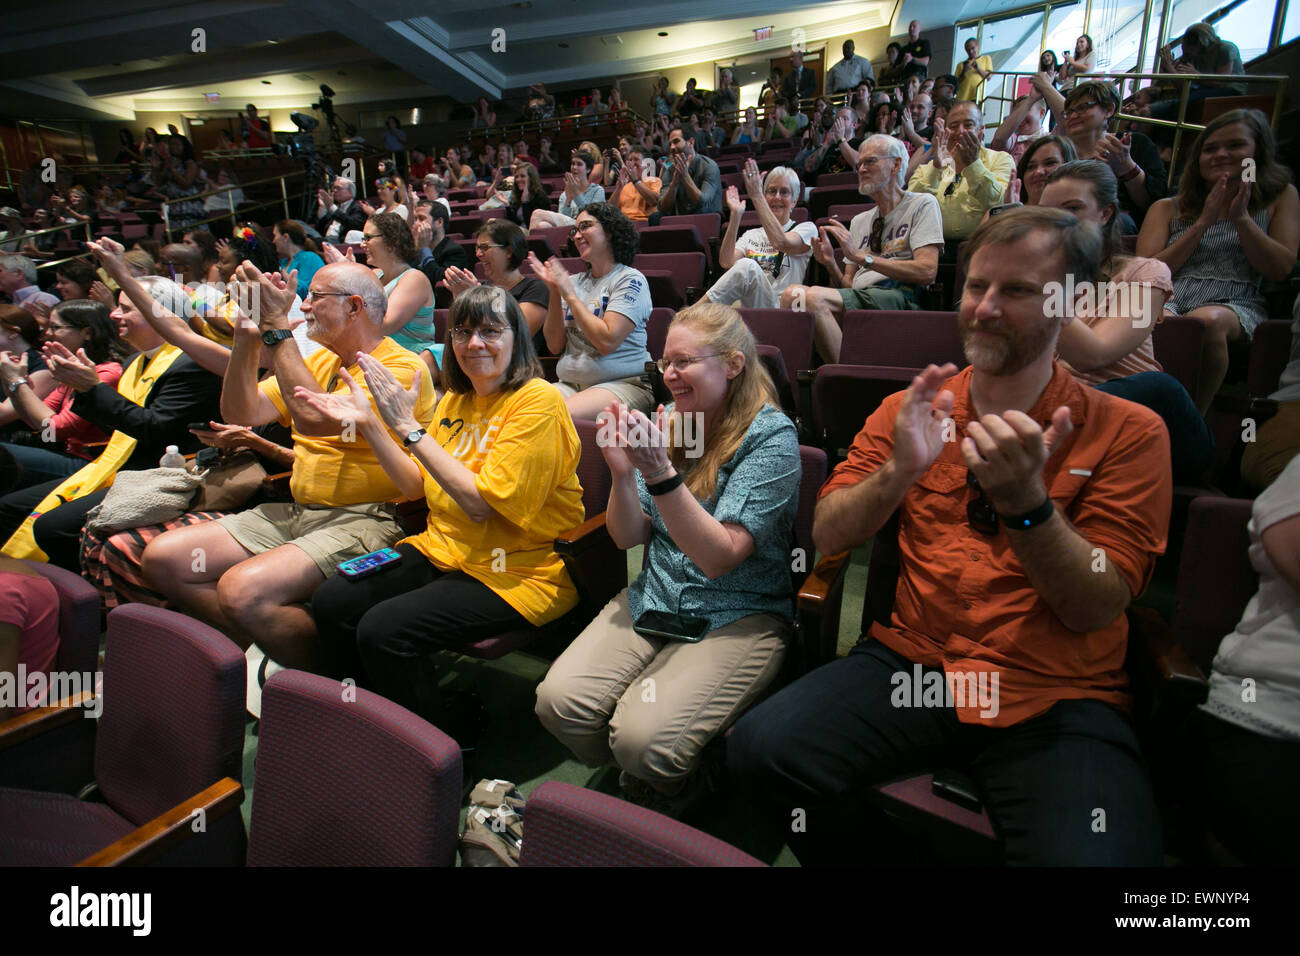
[(284, 197), (167, 223)]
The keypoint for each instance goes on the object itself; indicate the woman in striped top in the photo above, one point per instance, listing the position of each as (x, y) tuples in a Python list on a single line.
[(1234, 222)]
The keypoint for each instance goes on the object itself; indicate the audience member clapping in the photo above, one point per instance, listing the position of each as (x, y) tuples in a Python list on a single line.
[(264, 564), (764, 261), (498, 471), (56, 445), (595, 321), (1223, 232), (890, 251), (160, 391), (716, 522), (1109, 345)]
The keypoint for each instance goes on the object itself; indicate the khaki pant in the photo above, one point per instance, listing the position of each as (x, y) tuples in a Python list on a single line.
[(1275, 444), (652, 706)]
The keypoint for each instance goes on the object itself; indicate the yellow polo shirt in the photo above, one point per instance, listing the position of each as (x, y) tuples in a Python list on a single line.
[(337, 470)]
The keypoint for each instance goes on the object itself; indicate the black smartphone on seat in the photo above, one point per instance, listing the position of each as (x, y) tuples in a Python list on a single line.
[(671, 627)]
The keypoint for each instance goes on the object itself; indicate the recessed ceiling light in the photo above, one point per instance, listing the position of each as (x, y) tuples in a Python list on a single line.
[(663, 33)]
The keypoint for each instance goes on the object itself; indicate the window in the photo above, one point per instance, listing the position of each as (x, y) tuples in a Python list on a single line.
[(1248, 26)]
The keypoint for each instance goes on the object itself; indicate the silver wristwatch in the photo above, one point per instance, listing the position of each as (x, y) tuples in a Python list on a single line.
[(868, 260), (16, 384)]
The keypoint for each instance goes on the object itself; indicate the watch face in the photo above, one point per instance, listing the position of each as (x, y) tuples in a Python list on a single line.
[(415, 436)]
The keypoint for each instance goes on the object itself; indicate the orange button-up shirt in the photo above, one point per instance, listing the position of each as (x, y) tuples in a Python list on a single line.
[(964, 602)]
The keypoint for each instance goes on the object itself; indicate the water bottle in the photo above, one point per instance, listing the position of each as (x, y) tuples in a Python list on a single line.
[(172, 459)]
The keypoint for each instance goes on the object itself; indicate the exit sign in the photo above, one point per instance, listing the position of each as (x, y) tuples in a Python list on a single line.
[(762, 33)]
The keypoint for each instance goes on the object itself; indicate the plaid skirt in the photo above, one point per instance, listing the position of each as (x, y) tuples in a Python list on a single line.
[(112, 563)]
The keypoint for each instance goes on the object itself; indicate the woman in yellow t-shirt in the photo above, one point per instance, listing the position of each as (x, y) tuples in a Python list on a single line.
[(499, 472)]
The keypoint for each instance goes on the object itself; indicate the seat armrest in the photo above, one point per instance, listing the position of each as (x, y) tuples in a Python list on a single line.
[(41, 720), (818, 605), (597, 565), (1159, 649), (171, 828)]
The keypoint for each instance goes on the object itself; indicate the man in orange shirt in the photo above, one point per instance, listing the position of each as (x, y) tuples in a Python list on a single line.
[(1031, 510), (635, 193)]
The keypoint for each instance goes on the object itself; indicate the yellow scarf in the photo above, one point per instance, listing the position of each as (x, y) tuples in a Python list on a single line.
[(135, 385)]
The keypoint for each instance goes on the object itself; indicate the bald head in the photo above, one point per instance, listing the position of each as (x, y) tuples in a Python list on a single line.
[(356, 280)]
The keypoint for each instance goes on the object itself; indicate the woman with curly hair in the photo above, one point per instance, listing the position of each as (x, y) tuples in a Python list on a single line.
[(390, 251), (596, 320)]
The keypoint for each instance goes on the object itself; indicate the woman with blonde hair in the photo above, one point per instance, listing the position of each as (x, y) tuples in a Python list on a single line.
[(710, 488)]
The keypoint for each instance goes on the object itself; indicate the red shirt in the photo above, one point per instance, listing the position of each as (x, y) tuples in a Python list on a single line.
[(30, 603), (71, 429), (964, 602), (420, 170)]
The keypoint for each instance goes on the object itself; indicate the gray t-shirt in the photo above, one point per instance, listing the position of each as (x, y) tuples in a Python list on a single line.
[(913, 223), (705, 175), (622, 290)]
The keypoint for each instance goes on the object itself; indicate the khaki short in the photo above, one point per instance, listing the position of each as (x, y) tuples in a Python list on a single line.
[(329, 536), (632, 392)]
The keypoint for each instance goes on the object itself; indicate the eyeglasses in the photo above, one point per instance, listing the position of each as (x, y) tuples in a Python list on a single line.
[(778, 192), (1080, 107), (313, 294), (979, 512), (683, 363), (952, 186), (366, 237), (485, 246), (582, 227), (489, 334), (877, 233)]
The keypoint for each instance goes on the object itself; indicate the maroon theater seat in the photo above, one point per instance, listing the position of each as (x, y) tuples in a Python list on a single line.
[(350, 781), (573, 826), (909, 339)]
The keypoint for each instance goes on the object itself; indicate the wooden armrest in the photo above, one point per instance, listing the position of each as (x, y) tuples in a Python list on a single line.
[(272, 480), (596, 564), (42, 720), (816, 588), (171, 828), (582, 537), (1162, 650), (819, 602)]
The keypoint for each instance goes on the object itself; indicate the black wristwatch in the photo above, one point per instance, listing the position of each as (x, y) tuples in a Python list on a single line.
[(665, 486), (413, 437), (1030, 519), (274, 337)]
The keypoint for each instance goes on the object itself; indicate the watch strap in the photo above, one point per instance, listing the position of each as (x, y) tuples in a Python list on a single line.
[(276, 336), (665, 486), (1030, 519), (412, 437)]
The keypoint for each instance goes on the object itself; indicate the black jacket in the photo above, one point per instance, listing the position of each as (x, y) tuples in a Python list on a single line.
[(353, 218), (446, 253), (185, 393), (807, 84)]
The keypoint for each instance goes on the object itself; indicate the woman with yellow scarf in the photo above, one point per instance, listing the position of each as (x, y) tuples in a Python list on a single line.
[(160, 392)]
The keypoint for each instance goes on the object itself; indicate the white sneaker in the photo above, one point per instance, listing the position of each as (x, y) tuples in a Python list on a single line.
[(258, 668)]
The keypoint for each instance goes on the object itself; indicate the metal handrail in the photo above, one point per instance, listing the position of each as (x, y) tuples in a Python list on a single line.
[(1185, 80), (284, 199), (510, 130)]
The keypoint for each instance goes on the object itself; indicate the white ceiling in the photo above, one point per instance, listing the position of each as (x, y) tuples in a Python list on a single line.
[(78, 60)]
